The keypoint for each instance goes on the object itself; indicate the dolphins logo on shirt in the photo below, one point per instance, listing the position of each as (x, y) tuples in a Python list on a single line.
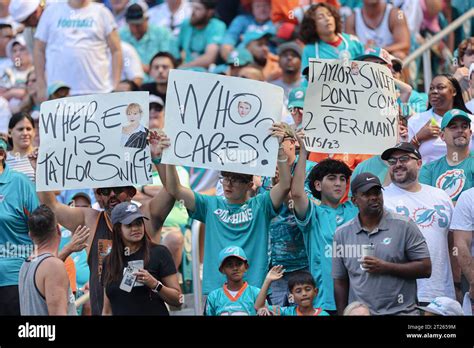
[(424, 217), (452, 182)]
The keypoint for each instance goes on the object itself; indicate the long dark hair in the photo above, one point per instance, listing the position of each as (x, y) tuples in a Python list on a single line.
[(458, 101), (115, 260), (18, 117), (308, 33)]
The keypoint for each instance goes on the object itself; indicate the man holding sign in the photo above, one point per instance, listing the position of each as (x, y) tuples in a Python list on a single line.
[(235, 219), (113, 192)]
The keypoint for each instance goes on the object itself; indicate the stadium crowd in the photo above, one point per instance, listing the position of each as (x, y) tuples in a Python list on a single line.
[(331, 234)]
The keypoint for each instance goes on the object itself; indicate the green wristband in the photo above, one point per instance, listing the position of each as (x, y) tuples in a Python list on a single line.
[(156, 160)]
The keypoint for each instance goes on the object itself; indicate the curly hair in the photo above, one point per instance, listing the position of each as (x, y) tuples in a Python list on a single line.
[(462, 48), (324, 168), (308, 33)]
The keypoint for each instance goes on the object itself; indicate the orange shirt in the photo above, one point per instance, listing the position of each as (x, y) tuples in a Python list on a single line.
[(352, 160), (282, 9), (272, 70), (71, 273)]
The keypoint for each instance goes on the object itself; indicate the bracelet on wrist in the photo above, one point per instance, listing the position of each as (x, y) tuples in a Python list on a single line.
[(281, 160), (156, 160), (158, 287)]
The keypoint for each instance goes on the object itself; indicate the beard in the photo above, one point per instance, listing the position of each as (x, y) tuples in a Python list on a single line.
[(461, 142), (198, 21), (260, 61), (408, 178)]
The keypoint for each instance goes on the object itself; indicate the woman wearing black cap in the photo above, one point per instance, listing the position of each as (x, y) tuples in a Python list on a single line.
[(139, 276)]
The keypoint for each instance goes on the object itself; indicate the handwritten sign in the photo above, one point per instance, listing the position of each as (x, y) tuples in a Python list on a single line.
[(350, 108), (222, 123), (94, 141)]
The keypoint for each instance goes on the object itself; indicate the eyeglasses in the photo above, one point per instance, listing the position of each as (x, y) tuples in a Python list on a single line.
[(107, 191), (403, 159), (469, 53), (231, 182)]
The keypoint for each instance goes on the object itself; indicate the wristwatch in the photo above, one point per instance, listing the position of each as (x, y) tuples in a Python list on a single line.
[(158, 287)]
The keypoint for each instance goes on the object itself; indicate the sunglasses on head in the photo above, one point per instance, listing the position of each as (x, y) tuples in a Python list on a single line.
[(107, 191)]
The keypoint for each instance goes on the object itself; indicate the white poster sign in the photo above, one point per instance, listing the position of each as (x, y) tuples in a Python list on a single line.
[(222, 123), (94, 141)]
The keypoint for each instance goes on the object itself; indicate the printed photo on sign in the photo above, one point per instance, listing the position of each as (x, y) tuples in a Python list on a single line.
[(134, 134), (350, 108), (94, 141), (222, 123)]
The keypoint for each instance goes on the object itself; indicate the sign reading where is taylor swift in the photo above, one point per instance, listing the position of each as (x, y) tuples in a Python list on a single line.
[(94, 141)]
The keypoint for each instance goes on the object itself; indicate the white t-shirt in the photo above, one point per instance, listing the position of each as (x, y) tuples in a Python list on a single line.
[(431, 209), (76, 46), (160, 16), (470, 105), (5, 115), (132, 66), (432, 149), (463, 217)]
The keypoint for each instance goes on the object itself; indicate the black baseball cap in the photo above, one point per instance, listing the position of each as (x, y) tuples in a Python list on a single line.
[(405, 147), (364, 182), (126, 213), (83, 195)]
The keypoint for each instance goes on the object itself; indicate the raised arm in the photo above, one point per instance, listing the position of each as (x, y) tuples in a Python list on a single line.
[(274, 274), (179, 192), (69, 217), (298, 194), (280, 191)]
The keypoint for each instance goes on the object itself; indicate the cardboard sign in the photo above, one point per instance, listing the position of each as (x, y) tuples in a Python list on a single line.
[(222, 123), (94, 141), (350, 108)]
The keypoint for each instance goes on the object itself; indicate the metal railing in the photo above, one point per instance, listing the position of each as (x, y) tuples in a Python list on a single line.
[(424, 49)]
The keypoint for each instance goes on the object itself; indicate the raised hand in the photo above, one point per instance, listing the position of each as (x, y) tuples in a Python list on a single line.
[(158, 142), (275, 273), (79, 238), (33, 158)]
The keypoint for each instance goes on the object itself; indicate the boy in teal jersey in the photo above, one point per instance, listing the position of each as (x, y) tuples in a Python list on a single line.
[(235, 219), (328, 181), (454, 172), (236, 296), (303, 289)]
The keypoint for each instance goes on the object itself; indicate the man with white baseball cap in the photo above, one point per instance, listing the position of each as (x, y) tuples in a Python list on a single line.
[(28, 13), (444, 306)]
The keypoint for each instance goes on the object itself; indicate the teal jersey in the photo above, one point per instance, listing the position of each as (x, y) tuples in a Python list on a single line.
[(221, 302), (244, 225), (155, 40), (79, 258), (294, 311), (452, 179), (195, 41), (323, 50), (17, 200), (286, 240), (318, 229), (375, 165)]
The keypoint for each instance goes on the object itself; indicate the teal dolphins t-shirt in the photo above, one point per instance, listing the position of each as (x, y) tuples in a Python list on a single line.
[(244, 225), (319, 227), (194, 41), (221, 302)]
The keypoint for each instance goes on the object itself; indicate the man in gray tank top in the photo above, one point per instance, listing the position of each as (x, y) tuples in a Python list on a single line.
[(43, 281)]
